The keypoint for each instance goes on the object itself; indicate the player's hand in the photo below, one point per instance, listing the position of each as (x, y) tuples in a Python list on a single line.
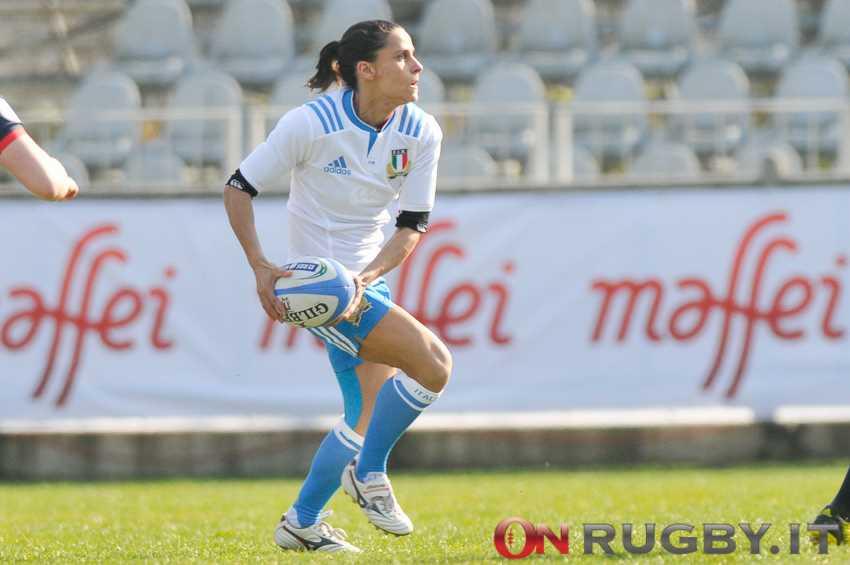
[(72, 190), (360, 287), (267, 274)]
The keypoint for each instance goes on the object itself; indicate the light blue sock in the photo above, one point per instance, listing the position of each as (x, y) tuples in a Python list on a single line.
[(399, 403), (337, 449)]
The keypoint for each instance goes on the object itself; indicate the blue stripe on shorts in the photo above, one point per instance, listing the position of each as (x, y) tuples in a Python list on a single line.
[(343, 340)]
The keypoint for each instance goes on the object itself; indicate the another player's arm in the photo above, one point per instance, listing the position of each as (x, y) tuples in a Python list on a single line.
[(40, 173), (240, 213)]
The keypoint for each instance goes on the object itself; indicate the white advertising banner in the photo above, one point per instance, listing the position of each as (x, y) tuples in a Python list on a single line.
[(548, 301)]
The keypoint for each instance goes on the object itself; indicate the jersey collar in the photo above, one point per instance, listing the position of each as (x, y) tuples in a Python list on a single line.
[(348, 108)]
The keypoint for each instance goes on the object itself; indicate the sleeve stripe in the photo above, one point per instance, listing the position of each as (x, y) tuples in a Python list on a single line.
[(403, 118), (14, 134), (327, 112), (410, 123), (336, 112), (418, 128), (319, 115)]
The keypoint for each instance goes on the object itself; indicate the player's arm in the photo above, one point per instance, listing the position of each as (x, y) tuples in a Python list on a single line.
[(415, 202), (40, 173), (240, 213), (410, 227), (270, 161)]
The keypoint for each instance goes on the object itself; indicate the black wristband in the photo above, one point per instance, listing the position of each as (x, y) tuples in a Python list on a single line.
[(238, 182), (414, 220)]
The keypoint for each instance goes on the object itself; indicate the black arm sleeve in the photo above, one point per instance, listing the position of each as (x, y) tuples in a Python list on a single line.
[(414, 220), (238, 182)]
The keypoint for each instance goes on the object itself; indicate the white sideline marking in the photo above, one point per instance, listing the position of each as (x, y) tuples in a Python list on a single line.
[(433, 421), (812, 414)]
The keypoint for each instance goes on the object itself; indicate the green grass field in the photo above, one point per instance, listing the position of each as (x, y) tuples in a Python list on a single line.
[(231, 521)]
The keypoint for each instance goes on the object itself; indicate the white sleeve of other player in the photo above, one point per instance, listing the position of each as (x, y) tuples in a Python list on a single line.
[(287, 145), (420, 186)]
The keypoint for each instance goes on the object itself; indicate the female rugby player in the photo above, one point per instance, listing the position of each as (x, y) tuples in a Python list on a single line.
[(350, 153)]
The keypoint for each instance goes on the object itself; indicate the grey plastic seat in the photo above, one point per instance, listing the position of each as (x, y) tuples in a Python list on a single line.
[(817, 78), (153, 41), (657, 35), (509, 94), (585, 166), (336, 17), (720, 82), (431, 89), (760, 35), (75, 168), (667, 161), (766, 159), (834, 31), (203, 141), (466, 162), (155, 164), (254, 41), (617, 90), (557, 37), (102, 124), (290, 91), (339, 15), (457, 38)]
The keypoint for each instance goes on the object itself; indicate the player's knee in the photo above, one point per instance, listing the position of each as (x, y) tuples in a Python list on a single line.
[(441, 369)]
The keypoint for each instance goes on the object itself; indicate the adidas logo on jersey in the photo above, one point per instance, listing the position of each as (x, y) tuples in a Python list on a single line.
[(337, 167)]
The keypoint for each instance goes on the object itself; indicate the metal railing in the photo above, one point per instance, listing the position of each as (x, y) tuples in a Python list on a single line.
[(488, 146)]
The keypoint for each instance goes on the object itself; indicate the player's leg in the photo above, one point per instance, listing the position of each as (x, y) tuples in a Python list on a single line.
[(397, 340), (359, 383), (837, 514), (400, 340)]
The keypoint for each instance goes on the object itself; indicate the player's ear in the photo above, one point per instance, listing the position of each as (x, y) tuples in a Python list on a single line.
[(366, 70)]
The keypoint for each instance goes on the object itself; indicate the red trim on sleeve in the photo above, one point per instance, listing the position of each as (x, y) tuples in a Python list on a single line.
[(16, 132)]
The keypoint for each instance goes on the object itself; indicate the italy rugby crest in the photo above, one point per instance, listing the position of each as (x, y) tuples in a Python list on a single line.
[(399, 164)]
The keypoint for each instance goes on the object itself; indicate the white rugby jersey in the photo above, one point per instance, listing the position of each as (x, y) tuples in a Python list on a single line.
[(345, 174)]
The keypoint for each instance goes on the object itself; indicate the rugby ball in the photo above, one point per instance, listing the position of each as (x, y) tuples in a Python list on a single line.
[(317, 293)]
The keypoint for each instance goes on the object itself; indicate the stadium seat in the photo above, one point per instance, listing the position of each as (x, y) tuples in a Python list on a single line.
[(834, 32), (431, 89), (339, 15), (75, 167), (616, 87), (254, 41), (467, 162), (557, 37), (657, 35), (457, 38), (509, 94), (155, 163), (290, 91), (336, 17), (765, 158), (713, 81), (101, 127), (585, 166), (760, 35), (153, 41), (203, 141), (817, 78), (667, 161)]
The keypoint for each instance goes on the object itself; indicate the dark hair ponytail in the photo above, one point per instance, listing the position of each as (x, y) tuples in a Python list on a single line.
[(325, 75), (360, 42)]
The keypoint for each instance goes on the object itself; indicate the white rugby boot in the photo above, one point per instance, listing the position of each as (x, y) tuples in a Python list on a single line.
[(321, 536), (375, 497)]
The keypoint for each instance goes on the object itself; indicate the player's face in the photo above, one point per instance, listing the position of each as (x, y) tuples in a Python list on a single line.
[(397, 70)]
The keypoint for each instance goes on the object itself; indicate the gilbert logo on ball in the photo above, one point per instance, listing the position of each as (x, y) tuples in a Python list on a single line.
[(317, 293)]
